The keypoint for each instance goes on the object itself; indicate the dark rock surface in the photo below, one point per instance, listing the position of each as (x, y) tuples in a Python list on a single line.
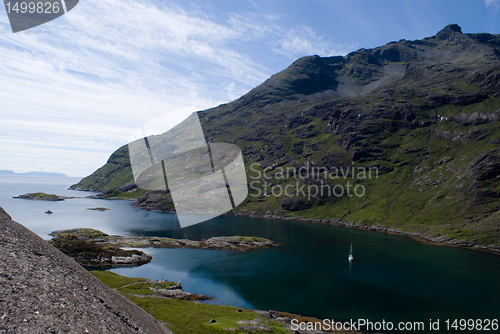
[(44, 291)]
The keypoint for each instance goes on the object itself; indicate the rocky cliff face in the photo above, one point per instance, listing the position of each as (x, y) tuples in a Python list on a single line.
[(424, 113), (44, 291)]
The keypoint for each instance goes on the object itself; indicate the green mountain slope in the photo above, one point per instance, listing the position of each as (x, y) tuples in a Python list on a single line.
[(420, 118)]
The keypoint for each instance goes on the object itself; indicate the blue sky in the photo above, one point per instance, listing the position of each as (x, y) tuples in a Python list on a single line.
[(72, 90)]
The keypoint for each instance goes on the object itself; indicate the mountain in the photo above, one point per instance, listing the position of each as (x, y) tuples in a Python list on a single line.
[(411, 128), (36, 174), (43, 174), (44, 291)]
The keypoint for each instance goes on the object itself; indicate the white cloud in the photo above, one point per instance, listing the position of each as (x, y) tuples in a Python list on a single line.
[(290, 42), (304, 41), (490, 2), (82, 82)]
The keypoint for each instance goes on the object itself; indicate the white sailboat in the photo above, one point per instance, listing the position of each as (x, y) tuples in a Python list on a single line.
[(350, 254)]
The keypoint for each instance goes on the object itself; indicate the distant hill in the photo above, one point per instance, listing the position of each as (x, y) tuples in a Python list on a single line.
[(425, 114), (40, 174)]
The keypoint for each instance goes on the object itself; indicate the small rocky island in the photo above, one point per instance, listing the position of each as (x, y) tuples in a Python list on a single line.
[(91, 247), (98, 209), (80, 244), (42, 197)]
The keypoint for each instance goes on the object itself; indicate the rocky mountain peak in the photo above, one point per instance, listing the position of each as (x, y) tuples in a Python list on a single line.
[(449, 32)]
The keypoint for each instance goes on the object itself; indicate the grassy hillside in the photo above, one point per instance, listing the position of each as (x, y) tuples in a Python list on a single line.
[(422, 116), (183, 316)]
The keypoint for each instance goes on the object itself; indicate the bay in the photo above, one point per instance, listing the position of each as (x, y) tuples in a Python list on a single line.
[(393, 277)]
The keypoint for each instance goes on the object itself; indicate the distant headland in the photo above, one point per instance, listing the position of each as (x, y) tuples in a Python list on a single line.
[(4, 172)]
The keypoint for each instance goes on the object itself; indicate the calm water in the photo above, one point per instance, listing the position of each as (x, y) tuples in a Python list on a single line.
[(393, 278)]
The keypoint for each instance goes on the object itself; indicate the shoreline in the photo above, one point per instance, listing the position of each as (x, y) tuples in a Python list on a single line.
[(422, 238), (164, 291)]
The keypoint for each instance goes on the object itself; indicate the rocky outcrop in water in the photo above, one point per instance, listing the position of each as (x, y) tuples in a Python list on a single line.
[(80, 245), (41, 197), (76, 242)]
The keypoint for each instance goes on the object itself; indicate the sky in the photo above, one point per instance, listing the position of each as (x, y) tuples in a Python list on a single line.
[(74, 89)]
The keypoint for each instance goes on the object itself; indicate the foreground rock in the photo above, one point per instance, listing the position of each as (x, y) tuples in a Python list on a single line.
[(175, 291), (234, 243), (45, 291)]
